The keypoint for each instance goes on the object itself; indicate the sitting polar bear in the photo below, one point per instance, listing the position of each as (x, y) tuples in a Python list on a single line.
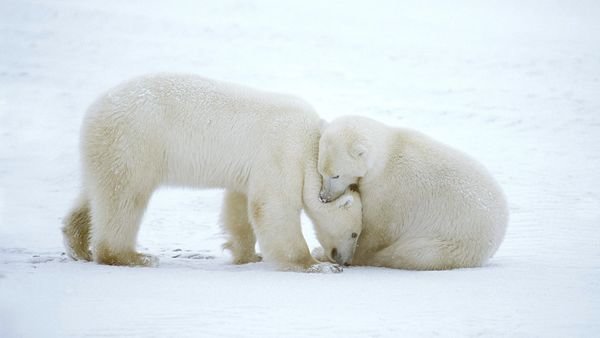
[(425, 206), (185, 130)]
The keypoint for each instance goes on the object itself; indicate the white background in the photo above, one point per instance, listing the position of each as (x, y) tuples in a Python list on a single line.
[(516, 84)]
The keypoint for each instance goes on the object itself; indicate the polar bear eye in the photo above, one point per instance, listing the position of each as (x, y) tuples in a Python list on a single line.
[(354, 235), (335, 177)]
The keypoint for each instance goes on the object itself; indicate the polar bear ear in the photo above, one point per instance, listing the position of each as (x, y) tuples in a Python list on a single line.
[(345, 202), (358, 150)]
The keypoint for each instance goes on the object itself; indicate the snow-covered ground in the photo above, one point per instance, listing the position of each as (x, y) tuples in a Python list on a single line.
[(516, 84)]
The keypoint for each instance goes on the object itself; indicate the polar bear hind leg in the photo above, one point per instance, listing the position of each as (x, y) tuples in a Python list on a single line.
[(76, 230), (424, 254), (241, 241)]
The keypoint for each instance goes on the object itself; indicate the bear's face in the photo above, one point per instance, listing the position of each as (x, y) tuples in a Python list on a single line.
[(339, 237), (342, 161)]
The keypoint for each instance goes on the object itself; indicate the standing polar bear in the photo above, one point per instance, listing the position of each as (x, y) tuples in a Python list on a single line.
[(185, 130), (425, 206)]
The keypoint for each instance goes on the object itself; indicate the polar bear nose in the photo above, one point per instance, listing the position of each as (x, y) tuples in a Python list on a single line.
[(324, 198)]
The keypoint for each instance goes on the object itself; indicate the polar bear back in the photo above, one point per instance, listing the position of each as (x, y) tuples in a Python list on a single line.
[(425, 204), (436, 192), (195, 131), (436, 173)]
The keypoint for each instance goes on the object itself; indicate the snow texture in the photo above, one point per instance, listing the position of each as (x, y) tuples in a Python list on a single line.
[(516, 84)]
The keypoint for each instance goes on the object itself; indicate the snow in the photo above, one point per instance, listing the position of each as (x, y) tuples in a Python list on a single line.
[(515, 84)]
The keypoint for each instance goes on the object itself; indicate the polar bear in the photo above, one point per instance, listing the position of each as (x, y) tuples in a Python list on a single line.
[(189, 131), (426, 206)]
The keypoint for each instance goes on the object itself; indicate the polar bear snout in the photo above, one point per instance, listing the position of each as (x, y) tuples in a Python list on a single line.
[(339, 258), (332, 187), (324, 197), (343, 252), (327, 195), (337, 248)]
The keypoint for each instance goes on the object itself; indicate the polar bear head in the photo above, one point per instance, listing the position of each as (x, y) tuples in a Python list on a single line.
[(337, 227), (344, 157)]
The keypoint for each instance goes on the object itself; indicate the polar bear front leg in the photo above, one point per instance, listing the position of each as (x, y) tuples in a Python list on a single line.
[(277, 226), (241, 241), (116, 220)]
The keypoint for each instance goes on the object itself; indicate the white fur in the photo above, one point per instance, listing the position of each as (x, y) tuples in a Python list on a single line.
[(425, 205), (185, 130)]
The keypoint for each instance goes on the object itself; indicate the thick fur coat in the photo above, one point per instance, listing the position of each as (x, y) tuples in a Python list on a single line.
[(189, 131), (425, 205)]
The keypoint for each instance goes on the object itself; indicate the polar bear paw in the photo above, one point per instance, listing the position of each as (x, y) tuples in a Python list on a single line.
[(77, 254), (325, 267), (147, 260), (319, 254), (245, 259), (108, 257)]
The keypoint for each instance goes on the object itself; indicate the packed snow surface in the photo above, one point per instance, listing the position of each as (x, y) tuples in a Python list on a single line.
[(516, 84)]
